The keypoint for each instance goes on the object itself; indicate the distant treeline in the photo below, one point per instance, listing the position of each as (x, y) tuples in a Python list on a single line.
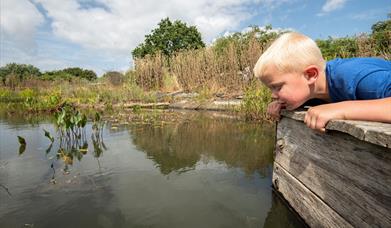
[(12, 74)]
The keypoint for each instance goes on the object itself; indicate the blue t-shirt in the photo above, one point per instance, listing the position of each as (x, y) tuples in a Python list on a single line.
[(358, 79)]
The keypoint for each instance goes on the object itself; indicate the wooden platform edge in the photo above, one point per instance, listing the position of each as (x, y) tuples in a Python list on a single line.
[(373, 132), (312, 209)]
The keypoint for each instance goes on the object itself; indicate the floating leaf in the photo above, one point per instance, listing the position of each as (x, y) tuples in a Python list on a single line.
[(21, 140), (47, 134)]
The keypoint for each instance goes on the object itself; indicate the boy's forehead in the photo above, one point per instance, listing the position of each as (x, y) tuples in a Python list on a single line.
[(268, 79), (269, 73)]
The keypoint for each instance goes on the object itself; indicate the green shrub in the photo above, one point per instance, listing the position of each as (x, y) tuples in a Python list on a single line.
[(57, 75), (381, 35), (81, 73), (255, 101), (114, 78), (338, 47), (243, 39)]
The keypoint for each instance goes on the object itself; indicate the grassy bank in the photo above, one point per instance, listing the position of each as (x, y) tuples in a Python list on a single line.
[(39, 96)]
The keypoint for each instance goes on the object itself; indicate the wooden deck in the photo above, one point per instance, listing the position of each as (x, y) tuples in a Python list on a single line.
[(341, 178)]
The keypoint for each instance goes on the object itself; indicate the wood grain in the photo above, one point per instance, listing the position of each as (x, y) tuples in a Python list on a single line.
[(373, 132), (312, 209), (351, 176)]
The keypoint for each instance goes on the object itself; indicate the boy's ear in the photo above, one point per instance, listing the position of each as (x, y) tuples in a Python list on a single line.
[(311, 73)]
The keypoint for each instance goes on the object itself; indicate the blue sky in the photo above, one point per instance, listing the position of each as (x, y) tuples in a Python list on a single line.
[(100, 34)]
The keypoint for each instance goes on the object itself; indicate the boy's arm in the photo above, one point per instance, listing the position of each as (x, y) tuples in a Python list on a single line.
[(371, 110)]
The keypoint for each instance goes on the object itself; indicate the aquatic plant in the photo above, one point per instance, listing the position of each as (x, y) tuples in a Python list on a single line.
[(71, 136), (70, 123)]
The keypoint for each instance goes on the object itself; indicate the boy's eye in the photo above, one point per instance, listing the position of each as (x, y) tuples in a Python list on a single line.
[(276, 87)]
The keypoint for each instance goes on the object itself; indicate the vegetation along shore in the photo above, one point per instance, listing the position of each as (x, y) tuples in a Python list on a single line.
[(165, 65)]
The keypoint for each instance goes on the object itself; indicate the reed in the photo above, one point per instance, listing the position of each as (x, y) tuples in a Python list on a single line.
[(228, 70)]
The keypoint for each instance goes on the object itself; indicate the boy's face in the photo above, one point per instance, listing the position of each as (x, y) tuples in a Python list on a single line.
[(291, 90)]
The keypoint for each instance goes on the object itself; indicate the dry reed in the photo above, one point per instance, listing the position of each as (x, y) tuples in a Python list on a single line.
[(228, 71)]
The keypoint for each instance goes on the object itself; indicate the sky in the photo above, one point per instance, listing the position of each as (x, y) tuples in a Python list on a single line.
[(100, 34)]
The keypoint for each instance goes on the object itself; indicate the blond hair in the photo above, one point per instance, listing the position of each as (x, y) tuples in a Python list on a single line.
[(291, 52)]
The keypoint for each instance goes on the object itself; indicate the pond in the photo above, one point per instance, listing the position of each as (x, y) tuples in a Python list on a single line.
[(194, 170)]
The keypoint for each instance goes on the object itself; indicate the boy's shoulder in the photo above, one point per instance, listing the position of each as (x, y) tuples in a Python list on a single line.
[(353, 67), (360, 62), (358, 78)]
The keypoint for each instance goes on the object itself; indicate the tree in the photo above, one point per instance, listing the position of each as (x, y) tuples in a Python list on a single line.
[(169, 38), (81, 73), (56, 75), (20, 71)]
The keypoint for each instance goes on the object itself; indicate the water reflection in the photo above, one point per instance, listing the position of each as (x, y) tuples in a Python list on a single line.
[(281, 216), (18, 117), (179, 146), (196, 171)]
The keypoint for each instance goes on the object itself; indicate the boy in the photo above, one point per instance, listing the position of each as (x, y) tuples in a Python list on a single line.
[(295, 71)]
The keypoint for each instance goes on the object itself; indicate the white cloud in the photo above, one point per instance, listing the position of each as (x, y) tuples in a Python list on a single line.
[(332, 5), (121, 25), (19, 20), (111, 28)]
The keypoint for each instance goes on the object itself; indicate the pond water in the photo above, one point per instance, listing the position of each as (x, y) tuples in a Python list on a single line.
[(194, 170)]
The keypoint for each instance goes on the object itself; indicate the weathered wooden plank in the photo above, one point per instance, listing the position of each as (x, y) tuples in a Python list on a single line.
[(311, 208), (373, 132), (351, 176)]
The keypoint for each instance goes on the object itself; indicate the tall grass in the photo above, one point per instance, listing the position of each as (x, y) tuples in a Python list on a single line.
[(228, 70)]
